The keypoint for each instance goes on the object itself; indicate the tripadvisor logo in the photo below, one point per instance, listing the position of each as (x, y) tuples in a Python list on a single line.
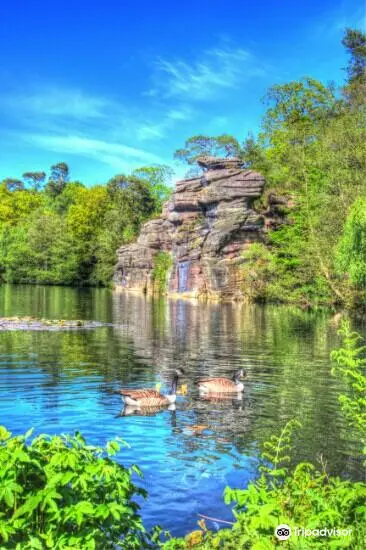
[(283, 531)]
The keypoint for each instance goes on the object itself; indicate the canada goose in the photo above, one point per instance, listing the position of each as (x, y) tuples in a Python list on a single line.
[(151, 398), (222, 385)]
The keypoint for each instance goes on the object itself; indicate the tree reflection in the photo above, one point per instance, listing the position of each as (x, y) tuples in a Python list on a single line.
[(284, 350)]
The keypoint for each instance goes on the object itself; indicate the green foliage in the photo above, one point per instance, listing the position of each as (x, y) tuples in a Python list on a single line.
[(312, 150), (159, 180), (350, 364), (196, 146), (351, 254), (162, 263), (58, 179), (12, 184), (271, 272), (355, 43), (66, 233), (306, 498), (276, 448), (34, 180), (258, 270), (58, 492)]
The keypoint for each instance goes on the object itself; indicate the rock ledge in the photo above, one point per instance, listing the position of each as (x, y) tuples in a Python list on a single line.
[(205, 227)]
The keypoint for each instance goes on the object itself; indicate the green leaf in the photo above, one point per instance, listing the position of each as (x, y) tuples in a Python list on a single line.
[(4, 434)]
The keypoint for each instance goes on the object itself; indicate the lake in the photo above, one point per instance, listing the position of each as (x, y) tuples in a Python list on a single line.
[(63, 381)]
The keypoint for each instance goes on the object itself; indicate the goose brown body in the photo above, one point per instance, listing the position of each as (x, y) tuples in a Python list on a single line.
[(144, 397), (222, 385), (217, 385)]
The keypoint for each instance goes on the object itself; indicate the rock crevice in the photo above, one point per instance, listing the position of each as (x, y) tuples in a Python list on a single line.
[(205, 227)]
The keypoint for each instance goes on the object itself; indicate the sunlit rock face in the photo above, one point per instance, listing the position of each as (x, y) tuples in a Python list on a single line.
[(205, 226)]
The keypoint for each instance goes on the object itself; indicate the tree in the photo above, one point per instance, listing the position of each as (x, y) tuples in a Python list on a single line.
[(312, 150), (200, 145), (134, 195), (69, 195), (35, 180), (13, 184), (252, 154), (227, 145), (299, 105), (159, 179), (355, 43), (58, 179), (67, 233), (351, 254)]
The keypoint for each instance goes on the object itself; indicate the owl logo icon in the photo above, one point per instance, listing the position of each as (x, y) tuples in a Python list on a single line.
[(283, 531)]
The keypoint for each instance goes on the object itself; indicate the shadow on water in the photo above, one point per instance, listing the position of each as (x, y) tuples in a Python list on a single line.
[(66, 381)]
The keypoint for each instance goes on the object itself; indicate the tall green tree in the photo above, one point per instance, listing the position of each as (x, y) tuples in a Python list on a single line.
[(354, 41), (59, 176), (159, 179), (351, 254)]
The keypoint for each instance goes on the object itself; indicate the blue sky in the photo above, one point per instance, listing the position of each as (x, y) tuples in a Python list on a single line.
[(112, 85)]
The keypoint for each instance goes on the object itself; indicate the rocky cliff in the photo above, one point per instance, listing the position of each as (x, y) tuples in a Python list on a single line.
[(203, 228)]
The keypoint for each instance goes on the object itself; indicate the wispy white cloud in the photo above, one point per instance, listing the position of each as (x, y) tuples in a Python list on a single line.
[(181, 113), (116, 155), (57, 102), (151, 130), (215, 71), (51, 109)]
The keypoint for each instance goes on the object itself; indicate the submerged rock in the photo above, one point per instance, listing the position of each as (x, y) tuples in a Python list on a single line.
[(205, 226)]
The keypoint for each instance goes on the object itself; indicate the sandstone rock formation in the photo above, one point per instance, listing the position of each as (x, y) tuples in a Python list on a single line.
[(205, 226)]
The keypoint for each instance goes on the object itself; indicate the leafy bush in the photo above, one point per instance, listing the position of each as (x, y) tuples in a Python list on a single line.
[(60, 493), (162, 263), (351, 253), (350, 366)]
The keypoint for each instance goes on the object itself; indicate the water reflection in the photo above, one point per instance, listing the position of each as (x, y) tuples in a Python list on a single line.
[(60, 382), (129, 410)]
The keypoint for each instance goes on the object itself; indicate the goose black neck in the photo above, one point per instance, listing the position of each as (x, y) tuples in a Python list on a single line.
[(173, 389), (236, 377)]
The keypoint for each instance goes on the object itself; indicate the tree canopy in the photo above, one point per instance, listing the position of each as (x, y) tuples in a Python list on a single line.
[(217, 146), (63, 232)]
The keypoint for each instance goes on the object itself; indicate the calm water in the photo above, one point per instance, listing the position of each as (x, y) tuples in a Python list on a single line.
[(63, 381)]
